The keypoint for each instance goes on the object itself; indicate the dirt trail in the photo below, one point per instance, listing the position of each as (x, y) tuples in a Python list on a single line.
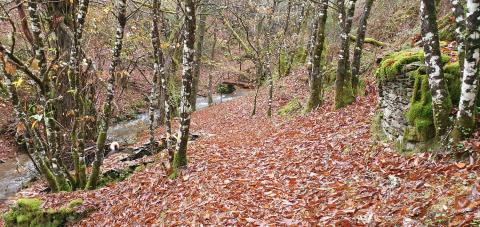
[(319, 168)]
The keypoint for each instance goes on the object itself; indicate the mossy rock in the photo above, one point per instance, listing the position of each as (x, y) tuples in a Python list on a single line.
[(420, 113), (29, 212), (394, 64), (291, 107)]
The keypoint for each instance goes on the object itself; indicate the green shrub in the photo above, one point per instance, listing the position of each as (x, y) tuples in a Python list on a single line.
[(29, 212)]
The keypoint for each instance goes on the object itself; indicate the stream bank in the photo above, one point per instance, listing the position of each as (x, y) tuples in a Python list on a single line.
[(16, 173)]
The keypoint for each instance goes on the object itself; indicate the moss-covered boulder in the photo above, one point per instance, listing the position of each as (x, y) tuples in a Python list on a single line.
[(418, 115), (29, 212)]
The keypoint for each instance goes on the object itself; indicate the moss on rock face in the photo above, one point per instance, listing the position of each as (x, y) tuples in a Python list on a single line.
[(395, 64), (420, 113), (291, 107), (29, 212)]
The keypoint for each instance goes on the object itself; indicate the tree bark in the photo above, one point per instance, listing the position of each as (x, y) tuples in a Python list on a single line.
[(466, 117), (315, 99), (180, 158), (357, 54), (107, 107), (459, 13), (343, 82), (74, 73), (212, 58), (201, 29), (157, 69), (441, 103)]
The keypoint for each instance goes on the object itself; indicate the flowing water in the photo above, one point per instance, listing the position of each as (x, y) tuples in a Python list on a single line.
[(15, 173), (127, 132)]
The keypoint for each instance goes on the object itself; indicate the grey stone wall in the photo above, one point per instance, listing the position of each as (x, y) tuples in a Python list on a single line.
[(394, 102)]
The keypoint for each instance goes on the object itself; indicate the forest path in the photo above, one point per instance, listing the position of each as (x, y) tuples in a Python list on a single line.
[(319, 168)]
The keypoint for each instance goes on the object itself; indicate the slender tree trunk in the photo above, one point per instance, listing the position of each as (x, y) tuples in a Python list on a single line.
[(202, 26), (441, 103), (343, 83), (268, 60), (466, 117), (156, 71), (107, 107), (212, 58), (459, 13), (260, 75), (315, 99), (54, 177), (74, 73), (180, 159), (357, 54)]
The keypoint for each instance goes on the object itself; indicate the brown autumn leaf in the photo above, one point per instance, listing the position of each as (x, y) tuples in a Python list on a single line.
[(460, 165)]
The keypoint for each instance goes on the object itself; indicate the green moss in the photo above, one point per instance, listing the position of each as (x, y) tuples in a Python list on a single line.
[(300, 56), (291, 107), (113, 176), (345, 96), (75, 203), (393, 64), (31, 204), (28, 212), (420, 113)]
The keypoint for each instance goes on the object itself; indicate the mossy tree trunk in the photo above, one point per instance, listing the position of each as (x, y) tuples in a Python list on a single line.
[(343, 83), (466, 118), (315, 63), (357, 53), (74, 74), (107, 106), (157, 70), (201, 29), (268, 56), (50, 170), (210, 77), (180, 158), (441, 103)]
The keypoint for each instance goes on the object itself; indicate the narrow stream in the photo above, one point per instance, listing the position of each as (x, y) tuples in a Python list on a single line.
[(127, 132), (14, 175)]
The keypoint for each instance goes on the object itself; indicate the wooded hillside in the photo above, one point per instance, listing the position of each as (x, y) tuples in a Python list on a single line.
[(239, 112)]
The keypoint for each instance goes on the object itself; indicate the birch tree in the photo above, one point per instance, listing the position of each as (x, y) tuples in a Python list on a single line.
[(466, 117), (441, 102), (199, 43), (107, 106), (459, 14), (180, 158), (315, 67), (343, 82), (357, 54), (268, 56), (157, 70)]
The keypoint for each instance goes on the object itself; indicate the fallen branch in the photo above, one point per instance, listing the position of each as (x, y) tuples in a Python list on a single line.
[(369, 41)]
